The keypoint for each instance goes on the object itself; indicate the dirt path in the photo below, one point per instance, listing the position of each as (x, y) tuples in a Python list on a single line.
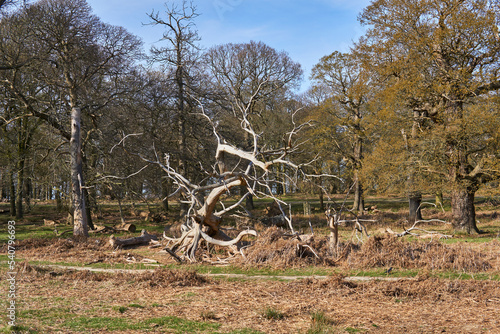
[(242, 276)]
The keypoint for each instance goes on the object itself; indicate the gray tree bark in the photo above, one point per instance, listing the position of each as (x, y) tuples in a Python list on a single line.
[(80, 227)]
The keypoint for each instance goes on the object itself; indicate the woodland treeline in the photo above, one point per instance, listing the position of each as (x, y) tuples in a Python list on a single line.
[(412, 109)]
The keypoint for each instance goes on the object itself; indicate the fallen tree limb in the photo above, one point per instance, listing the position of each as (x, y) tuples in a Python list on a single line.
[(230, 242), (144, 238), (410, 231), (58, 234), (177, 258)]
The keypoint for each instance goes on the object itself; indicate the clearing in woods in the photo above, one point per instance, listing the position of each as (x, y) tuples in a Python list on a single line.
[(384, 284)]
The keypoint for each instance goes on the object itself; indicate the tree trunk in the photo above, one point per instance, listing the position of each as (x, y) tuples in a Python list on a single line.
[(359, 203), (463, 210), (321, 200), (414, 196), (12, 194), (80, 227), (249, 203), (28, 190), (22, 138), (415, 199), (439, 199), (20, 190), (165, 191), (58, 200), (121, 211), (2, 189), (464, 185), (88, 209)]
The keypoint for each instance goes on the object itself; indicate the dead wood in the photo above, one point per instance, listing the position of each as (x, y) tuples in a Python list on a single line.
[(48, 222), (253, 171), (229, 242), (112, 229), (144, 238), (273, 210), (412, 231), (125, 227), (333, 224), (306, 238), (58, 234), (102, 229)]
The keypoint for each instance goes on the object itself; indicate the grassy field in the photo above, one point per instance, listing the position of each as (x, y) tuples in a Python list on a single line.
[(376, 284)]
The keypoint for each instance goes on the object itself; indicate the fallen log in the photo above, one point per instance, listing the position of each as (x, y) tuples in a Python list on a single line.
[(110, 229), (125, 227), (144, 238), (48, 222), (102, 229)]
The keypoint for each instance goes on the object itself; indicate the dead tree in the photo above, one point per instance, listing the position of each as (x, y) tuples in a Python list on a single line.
[(332, 218), (251, 169)]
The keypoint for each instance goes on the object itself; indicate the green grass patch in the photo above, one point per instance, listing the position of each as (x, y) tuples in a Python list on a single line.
[(246, 331), (353, 330), (468, 238), (4, 261), (135, 305), (45, 314), (32, 227), (178, 325), (121, 309), (132, 266), (382, 272), (261, 271), (271, 313), (451, 275), (321, 324), (58, 263)]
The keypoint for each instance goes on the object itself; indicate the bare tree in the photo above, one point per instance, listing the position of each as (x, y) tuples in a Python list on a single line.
[(251, 169), (251, 77), (178, 56), (77, 56)]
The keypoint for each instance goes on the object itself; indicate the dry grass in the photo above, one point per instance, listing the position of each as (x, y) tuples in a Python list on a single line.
[(425, 305), (161, 278), (401, 253), (273, 248), (276, 250)]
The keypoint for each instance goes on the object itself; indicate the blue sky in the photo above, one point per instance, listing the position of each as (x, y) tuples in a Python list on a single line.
[(306, 29)]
